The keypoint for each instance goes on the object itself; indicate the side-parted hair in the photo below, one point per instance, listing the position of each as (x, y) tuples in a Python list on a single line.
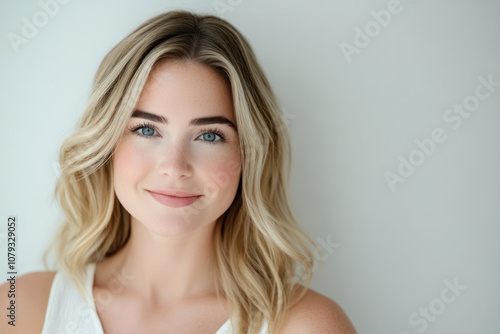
[(263, 256)]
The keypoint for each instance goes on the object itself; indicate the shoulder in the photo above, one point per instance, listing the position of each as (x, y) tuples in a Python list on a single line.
[(316, 313), (29, 294)]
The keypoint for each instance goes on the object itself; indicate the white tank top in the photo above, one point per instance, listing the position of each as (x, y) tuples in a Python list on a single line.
[(68, 313)]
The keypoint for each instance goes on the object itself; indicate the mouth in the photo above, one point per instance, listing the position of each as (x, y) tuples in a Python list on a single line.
[(177, 201)]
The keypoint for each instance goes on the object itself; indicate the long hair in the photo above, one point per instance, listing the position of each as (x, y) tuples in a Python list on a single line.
[(262, 254)]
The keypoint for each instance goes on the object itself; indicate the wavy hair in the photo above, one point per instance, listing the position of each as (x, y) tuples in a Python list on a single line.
[(262, 254)]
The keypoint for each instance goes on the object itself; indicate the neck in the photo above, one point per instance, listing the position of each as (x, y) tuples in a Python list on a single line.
[(166, 270)]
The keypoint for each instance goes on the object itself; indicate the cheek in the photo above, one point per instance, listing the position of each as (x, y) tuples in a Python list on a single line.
[(223, 174), (129, 164)]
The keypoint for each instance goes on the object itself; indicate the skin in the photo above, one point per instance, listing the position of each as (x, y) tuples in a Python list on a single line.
[(171, 251), (162, 280), (167, 240)]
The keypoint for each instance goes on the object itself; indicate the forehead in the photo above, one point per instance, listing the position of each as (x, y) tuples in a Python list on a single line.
[(184, 88)]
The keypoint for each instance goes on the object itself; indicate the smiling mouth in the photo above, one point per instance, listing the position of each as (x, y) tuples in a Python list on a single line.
[(173, 201)]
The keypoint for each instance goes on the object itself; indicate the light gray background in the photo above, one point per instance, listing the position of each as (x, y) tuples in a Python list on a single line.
[(390, 252)]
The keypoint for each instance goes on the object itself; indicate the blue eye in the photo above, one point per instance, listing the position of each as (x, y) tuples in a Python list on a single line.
[(144, 130), (210, 136), (147, 131)]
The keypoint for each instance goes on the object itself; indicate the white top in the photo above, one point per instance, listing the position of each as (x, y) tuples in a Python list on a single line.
[(67, 311)]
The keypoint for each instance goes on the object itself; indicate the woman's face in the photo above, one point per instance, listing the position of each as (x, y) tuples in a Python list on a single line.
[(180, 138)]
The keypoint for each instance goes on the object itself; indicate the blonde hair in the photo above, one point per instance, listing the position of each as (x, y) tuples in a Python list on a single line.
[(263, 255)]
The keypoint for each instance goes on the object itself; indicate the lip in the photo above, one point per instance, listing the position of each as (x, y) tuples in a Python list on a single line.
[(174, 199)]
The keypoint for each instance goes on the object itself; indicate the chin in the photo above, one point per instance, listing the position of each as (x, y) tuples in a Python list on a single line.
[(174, 226)]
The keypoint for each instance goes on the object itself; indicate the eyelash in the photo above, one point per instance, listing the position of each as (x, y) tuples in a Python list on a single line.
[(204, 131)]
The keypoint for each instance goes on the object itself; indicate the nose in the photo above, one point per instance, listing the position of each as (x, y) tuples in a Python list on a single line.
[(174, 161)]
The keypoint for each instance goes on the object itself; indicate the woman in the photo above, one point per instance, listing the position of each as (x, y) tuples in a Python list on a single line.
[(174, 190)]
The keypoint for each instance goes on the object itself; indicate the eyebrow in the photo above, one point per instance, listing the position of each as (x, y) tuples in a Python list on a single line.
[(194, 121)]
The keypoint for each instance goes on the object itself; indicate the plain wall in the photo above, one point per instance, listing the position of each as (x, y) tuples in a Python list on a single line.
[(361, 111)]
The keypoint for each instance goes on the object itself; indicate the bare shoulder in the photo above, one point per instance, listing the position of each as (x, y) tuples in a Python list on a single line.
[(316, 313), (25, 298)]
